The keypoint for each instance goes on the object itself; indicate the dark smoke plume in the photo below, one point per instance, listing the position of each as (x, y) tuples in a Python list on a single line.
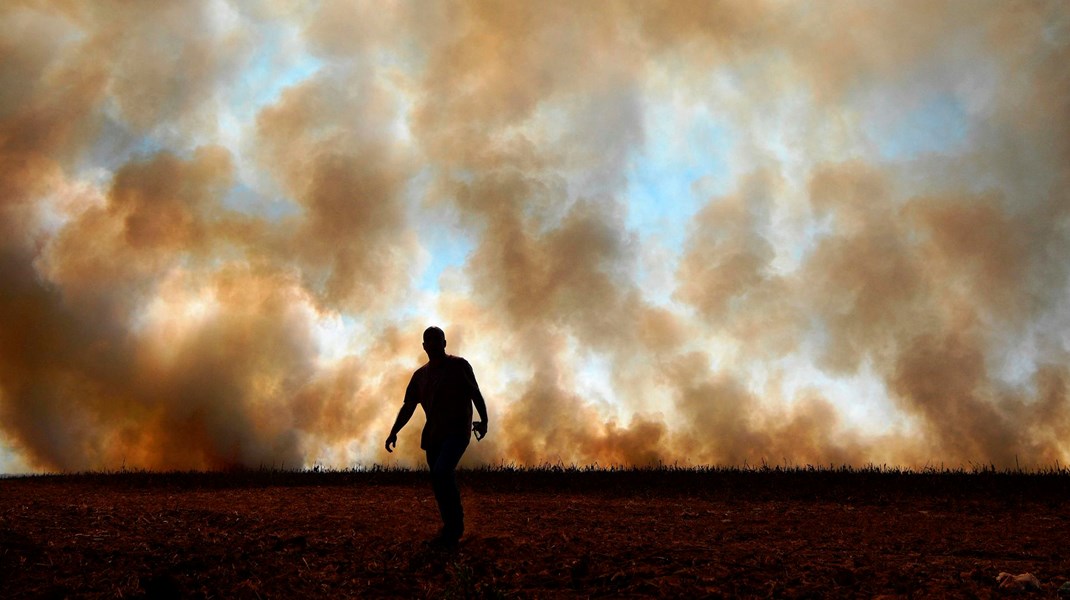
[(205, 266)]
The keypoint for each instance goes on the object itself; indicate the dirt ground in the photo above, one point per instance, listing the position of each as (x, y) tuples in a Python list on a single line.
[(540, 535)]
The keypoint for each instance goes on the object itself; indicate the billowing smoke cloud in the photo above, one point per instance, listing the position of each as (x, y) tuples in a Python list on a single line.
[(224, 226)]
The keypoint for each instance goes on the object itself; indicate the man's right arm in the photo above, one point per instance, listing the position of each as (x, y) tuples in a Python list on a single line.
[(407, 408), (403, 417)]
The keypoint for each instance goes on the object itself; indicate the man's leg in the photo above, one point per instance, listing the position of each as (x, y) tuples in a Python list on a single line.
[(442, 461)]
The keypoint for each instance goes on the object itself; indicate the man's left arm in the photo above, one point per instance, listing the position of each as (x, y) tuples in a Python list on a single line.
[(480, 427)]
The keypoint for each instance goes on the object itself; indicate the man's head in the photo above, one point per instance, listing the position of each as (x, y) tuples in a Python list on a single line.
[(434, 342)]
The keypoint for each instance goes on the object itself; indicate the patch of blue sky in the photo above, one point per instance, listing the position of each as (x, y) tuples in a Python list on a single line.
[(147, 145), (246, 200), (660, 196), (115, 145), (278, 62), (448, 247), (441, 235), (938, 125), (665, 179), (270, 71), (682, 164)]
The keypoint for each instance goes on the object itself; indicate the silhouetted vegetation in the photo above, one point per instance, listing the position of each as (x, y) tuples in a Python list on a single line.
[(754, 482)]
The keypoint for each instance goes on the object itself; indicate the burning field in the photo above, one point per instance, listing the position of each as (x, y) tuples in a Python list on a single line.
[(662, 232), (667, 232), (766, 532)]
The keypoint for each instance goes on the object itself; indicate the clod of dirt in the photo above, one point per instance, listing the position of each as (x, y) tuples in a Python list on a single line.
[(1022, 583)]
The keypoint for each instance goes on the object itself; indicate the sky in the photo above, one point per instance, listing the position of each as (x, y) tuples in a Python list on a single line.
[(689, 233)]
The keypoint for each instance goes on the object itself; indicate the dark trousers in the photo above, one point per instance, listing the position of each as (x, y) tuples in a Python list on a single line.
[(442, 459)]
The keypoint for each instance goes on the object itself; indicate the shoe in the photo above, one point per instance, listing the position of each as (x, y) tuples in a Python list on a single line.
[(443, 543), (445, 539)]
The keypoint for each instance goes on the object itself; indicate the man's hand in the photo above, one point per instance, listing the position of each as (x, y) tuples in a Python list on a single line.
[(403, 417), (480, 427)]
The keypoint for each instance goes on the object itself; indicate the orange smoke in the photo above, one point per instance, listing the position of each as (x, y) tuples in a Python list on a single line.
[(150, 318)]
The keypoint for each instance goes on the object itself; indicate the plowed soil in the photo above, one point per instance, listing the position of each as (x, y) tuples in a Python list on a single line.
[(532, 534)]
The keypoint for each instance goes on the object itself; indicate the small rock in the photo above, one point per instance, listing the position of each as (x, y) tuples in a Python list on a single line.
[(1023, 582), (1064, 590)]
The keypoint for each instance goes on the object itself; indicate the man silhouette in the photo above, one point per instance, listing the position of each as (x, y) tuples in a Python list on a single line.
[(446, 388)]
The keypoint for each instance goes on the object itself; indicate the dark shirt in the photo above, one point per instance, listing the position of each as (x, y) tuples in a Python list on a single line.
[(445, 390)]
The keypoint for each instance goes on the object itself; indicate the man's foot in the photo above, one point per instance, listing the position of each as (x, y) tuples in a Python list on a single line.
[(444, 543), (446, 539)]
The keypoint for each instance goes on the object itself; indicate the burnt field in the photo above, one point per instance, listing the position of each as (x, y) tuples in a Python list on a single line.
[(534, 533)]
